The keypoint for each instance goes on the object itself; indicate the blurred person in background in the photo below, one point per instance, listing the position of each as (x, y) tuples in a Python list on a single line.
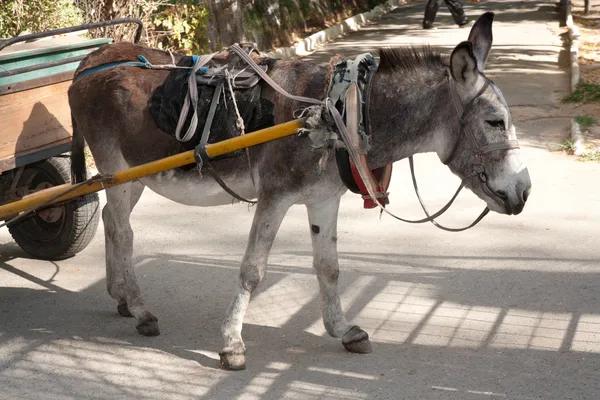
[(455, 7)]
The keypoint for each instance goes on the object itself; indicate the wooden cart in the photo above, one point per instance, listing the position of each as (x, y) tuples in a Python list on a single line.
[(35, 136), (48, 216)]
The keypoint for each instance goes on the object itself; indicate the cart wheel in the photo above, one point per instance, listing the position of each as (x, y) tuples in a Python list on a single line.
[(59, 232)]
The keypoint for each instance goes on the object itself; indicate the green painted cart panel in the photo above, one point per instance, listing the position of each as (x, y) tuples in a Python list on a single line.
[(44, 51)]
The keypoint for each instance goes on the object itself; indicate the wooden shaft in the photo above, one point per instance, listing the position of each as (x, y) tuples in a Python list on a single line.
[(151, 168)]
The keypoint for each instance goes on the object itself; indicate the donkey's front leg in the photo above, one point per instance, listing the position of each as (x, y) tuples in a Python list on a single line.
[(323, 227), (267, 219)]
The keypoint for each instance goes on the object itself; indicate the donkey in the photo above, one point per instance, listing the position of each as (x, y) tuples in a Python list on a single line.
[(412, 111)]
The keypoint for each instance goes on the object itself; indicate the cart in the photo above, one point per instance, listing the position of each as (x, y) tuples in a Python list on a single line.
[(35, 136), (49, 217)]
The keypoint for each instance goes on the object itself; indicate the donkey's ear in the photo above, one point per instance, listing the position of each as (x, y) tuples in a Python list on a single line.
[(463, 64), (481, 37)]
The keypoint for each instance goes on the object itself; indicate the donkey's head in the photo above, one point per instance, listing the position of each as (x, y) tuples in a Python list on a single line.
[(485, 143)]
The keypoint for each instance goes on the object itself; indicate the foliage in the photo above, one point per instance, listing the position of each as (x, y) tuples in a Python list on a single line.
[(568, 145), (185, 25), (20, 16), (585, 121), (102, 10), (182, 27), (584, 93)]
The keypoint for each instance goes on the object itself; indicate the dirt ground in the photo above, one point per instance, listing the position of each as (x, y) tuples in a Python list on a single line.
[(589, 63)]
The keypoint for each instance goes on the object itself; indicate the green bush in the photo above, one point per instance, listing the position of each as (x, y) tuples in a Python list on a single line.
[(20, 16), (182, 27)]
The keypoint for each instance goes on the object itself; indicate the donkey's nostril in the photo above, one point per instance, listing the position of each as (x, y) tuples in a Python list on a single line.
[(526, 194)]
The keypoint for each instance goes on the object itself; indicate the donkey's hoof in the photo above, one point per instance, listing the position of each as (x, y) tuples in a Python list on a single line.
[(233, 360), (123, 310), (357, 341), (148, 326)]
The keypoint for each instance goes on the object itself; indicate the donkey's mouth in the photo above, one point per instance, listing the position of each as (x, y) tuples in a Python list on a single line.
[(516, 208), (505, 206), (512, 208)]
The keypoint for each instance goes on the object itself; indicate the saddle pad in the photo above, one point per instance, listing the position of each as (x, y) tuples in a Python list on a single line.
[(168, 99)]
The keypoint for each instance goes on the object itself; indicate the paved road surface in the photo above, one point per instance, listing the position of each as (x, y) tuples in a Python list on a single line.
[(509, 310)]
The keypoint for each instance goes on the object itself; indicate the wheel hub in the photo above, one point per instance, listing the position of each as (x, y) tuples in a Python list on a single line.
[(49, 215)]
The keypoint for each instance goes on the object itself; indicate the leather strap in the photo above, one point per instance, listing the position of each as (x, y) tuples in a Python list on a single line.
[(509, 144), (349, 91)]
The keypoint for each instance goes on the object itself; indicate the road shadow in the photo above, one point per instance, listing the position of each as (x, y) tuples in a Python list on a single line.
[(456, 326), (439, 332)]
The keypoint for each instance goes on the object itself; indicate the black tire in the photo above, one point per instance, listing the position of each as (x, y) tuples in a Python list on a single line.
[(62, 231)]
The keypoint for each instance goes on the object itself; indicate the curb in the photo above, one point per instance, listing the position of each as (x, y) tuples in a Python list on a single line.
[(308, 45), (576, 136)]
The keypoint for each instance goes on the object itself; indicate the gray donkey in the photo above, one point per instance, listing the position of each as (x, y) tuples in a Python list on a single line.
[(418, 103)]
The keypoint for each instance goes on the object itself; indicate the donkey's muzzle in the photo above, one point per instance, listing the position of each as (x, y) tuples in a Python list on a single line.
[(514, 205), (512, 195)]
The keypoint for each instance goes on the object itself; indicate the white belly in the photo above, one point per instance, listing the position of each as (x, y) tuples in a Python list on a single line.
[(194, 190)]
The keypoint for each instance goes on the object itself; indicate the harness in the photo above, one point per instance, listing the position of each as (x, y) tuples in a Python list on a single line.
[(349, 90), (222, 76), (142, 63), (348, 106)]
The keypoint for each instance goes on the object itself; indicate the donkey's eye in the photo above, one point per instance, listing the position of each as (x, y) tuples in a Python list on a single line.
[(497, 123)]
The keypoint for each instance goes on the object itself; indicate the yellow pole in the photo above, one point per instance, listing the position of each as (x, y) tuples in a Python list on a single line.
[(151, 168)]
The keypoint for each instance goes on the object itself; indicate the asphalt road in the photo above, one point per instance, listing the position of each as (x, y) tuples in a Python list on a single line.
[(508, 310)]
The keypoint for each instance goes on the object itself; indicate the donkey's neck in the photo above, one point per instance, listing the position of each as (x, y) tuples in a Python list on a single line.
[(410, 113)]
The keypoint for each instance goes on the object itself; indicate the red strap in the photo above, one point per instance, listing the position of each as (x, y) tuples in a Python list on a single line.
[(382, 176)]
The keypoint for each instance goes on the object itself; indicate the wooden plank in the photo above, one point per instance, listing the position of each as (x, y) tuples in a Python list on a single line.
[(35, 83), (41, 153), (34, 118), (45, 46), (45, 58), (17, 100)]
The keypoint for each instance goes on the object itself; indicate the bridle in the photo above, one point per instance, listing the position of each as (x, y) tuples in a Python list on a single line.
[(478, 168)]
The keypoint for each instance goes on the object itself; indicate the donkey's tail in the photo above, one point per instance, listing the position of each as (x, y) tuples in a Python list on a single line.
[(78, 169)]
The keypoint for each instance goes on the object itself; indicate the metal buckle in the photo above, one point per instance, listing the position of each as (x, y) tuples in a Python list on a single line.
[(479, 170)]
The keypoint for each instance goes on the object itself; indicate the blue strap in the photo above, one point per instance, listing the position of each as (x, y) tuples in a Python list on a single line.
[(143, 63)]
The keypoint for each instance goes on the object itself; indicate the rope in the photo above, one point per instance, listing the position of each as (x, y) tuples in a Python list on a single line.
[(239, 123), (240, 52)]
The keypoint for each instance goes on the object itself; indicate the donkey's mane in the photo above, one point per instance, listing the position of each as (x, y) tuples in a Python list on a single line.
[(411, 58)]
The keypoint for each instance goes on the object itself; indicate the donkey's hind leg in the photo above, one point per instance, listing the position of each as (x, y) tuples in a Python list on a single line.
[(266, 222), (120, 277), (114, 278), (323, 226)]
